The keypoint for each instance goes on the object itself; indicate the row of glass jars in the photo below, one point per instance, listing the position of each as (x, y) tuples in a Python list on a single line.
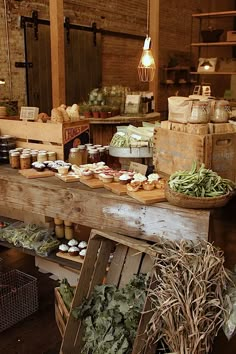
[(216, 111), (20, 158), (88, 153)]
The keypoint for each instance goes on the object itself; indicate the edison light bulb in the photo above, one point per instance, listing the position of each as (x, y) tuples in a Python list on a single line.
[(206, 67), (147, 58)]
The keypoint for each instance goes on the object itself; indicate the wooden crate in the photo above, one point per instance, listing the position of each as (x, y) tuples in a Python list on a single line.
[(130, 256), (56, 137), (174, 150), (61, 312)]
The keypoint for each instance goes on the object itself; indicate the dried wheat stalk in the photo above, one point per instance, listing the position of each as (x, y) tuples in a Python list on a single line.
[(187, 296)]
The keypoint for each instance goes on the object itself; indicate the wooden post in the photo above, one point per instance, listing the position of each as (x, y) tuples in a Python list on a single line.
[(154, 34), (57, 52)]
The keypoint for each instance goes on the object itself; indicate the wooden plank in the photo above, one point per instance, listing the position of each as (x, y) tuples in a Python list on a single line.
[(154, 34), (131, 266), (147, 264), (116, 187), (138, 245), (76, 259), (87, 271), (117, 263), (148, 197), (215, 14), (70, 177), (57, 52), (92, 183), (32, 173)]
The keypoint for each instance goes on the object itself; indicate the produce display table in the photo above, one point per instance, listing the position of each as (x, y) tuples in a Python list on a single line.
[(101, 209), (103, 129)]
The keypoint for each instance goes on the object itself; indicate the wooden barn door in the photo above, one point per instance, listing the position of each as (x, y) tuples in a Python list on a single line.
[(83, 65), (39, 72)]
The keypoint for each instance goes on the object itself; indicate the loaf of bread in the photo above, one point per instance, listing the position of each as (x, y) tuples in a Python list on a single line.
[(56, 116), (42, 118)]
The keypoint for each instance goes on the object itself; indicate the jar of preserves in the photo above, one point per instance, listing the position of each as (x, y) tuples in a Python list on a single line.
[(59, 231), (221, 112), (83, 154), (69, 232), (34, 156), (42, 156), (51, 156), (102, 153), (15, 159), (74, 157), (200, 112), (25, 161), (93, 156)]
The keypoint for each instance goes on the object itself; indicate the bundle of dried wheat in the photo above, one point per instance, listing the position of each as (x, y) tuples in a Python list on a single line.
[(187, 296)]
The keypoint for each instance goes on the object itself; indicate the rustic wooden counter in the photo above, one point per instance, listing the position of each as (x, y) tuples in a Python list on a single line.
[(103, 210)]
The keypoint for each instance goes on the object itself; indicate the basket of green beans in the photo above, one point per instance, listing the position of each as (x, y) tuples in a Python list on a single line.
[(199, 188)]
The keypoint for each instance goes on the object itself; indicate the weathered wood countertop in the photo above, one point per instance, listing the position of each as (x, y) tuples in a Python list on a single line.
[(99, 208)]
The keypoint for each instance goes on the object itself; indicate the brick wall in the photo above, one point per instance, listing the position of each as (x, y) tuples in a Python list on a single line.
[(120, 56)]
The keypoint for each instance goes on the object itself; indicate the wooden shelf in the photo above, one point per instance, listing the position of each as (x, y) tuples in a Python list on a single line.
[(215, 14), (213, 73), (177, 68), (52, 257), (213, 44)]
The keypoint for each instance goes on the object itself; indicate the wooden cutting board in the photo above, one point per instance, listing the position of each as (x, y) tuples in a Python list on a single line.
[(77, 259), (68, 178), (32, 173), (92, 183), (148, 197), (116, 187)]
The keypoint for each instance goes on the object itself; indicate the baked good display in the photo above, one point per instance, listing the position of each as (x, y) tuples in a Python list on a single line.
[(63, 248), (73, 242), (83, 252), (106, 177), (134, 186), (125, 178), (139, 177), (82, 245), (63, 170), (160, 184), (86, 174), (148, 185), (42, 118), (38, 166), (73, 251)]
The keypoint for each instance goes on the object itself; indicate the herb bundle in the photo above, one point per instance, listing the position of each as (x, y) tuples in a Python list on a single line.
[(187, 296), (111, 317)]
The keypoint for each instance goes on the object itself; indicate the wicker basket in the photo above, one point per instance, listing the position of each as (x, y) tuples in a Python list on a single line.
[(186, 201)]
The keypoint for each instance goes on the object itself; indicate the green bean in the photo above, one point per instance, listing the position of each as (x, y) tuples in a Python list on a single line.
[(200, 182)]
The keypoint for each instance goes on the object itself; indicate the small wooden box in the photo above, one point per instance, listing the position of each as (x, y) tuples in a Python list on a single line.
[(174, 150), (58, 137)]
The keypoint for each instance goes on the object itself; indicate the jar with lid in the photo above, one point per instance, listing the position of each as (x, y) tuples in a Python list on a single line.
[(74, 157), (83, 154), (200, 112), (59, 231), (42, 156), (103, 156), (34, 156), (221, 112), (15, 159), (69, 232), (25, 161), (51, 156), (93, 156)]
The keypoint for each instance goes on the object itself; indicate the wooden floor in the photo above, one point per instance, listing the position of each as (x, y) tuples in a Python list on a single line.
[(37, 334)]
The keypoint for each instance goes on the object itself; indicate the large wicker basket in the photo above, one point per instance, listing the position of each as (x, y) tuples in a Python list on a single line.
[(186, 201)]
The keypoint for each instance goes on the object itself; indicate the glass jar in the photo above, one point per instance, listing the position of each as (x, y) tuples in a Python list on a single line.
[(34, 156), (25, 161), (51, 156), (200, 112), (69, 233), (93, 156), (15, 159), (221, 112), (42, 156), (59, 231), (74, 157), (83, 154), (102, 153)]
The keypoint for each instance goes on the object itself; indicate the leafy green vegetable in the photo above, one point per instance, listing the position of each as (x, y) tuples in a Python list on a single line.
[(111, 317), (67, 292)]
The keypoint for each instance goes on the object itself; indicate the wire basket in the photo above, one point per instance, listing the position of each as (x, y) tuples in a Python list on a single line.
[(18, 297)]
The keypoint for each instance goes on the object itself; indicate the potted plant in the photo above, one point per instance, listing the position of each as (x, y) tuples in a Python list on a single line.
[(85, 110), (96, 111), (104, 111)]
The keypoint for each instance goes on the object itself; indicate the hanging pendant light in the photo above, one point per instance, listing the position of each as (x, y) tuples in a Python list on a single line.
[(146, 66)]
